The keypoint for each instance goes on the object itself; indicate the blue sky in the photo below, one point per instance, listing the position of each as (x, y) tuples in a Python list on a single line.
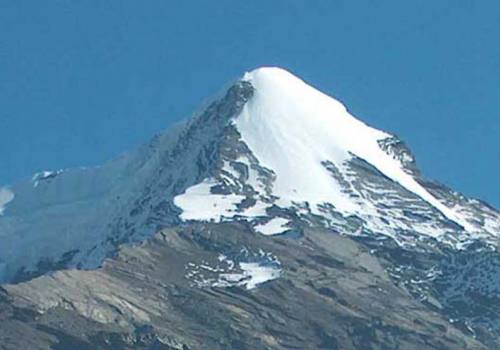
[(83, 81)]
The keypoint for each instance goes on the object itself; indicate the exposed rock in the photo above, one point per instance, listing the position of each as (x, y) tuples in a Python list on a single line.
[(332, 294)]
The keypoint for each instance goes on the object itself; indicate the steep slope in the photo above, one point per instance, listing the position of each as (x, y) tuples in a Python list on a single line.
[(308, 154), (291, 127)]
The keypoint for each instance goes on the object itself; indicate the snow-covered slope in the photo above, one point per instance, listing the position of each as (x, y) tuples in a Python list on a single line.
[(292, 128), (310, 145), (272, 152)]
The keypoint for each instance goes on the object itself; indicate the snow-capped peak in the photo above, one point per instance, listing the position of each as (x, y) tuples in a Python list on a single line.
[(273, 151), (292, 128)]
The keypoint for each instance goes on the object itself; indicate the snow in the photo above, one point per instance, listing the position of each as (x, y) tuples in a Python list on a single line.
[(77, 209), (259, 274), (274, 226), (43, 175), (291, 128), (252, 275), (6, 196), (197, 203), (253, 177), (258, 209), (230, 170), (227, 273)]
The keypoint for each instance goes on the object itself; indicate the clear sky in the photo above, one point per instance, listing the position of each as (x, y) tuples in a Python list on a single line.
[(83, 81)]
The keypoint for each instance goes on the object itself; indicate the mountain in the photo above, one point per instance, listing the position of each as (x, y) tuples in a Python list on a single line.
[(273, 219)]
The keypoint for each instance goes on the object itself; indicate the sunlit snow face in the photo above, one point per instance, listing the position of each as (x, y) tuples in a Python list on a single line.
[(290, 126), (303, 136), (6, 196)]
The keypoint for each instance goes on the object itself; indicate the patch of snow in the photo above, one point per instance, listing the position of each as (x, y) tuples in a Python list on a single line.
[(44, 175), (227, 261), (6, 196), (259, 273), (198, 203), (253, 176), (253, 274), (263, 267), (230, 170), (274, 226)]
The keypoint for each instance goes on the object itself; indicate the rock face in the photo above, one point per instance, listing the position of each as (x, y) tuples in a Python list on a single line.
[(273, 219), (331, 293)]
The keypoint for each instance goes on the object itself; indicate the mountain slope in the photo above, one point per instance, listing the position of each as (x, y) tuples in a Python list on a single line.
[(272, 140), (280, 161), (327, 297)]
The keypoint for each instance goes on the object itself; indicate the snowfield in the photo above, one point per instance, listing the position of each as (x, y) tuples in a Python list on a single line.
[(292, 127)]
